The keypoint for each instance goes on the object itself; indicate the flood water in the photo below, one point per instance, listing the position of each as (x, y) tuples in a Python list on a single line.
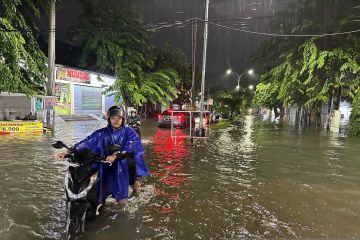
[(248, 180)]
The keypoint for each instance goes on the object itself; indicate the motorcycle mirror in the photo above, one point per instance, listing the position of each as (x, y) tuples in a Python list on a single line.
[(59, 144)]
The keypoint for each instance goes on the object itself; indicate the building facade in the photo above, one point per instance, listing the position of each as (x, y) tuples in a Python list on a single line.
[(80, 92)]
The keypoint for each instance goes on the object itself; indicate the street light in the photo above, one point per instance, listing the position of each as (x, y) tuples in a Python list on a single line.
[(251, 87), (238, 77)]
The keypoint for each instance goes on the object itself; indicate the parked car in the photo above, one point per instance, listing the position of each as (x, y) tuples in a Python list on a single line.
[(196, 119), (179, 119)]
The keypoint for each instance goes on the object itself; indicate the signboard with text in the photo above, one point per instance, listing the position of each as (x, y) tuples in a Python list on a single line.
[(49, 103), (72, 75), (8, 127), (63, 98)]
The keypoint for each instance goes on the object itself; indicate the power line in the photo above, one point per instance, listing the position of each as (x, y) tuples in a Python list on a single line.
[(184, 23), (181, 23), (178, 24), (281, 35)]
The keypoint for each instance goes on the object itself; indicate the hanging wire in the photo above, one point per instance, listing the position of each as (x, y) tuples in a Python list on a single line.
[(177, 23), (280, 35), (181, 24)]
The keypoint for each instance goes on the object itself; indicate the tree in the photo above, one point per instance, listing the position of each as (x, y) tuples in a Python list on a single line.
[(311, 70), (173, 58), (266, 96), (228, 101), (158, 86), (113, 38), (22, 64)]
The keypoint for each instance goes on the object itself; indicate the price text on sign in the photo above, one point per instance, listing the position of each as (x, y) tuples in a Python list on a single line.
[(20, 127)]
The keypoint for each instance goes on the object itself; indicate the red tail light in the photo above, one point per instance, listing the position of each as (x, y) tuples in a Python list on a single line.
[(159, 117), (179, 117)]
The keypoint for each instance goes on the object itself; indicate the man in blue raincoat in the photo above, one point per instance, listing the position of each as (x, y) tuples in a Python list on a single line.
[(116, 178)]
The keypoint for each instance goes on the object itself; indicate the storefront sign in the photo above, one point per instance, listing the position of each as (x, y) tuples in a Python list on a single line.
[(49, 103), (8, 127), (72, 75), (63, 98)]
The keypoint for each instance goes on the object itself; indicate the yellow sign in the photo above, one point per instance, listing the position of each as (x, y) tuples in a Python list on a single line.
[(7, 127)]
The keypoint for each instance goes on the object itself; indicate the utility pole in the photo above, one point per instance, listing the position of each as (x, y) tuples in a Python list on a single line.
[(51, 63), (194, 37), (51, 50), (208, 96), (202, 130)]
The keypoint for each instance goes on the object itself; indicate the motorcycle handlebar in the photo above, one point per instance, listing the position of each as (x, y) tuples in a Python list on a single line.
[(119, 155)]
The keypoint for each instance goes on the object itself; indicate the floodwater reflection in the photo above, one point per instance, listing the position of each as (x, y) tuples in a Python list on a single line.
[(168, 162), (249, 180)]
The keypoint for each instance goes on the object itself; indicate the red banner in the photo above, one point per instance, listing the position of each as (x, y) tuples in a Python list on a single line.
[(73, 75)]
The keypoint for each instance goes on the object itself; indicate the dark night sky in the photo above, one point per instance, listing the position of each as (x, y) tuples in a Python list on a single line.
[(226, 48)]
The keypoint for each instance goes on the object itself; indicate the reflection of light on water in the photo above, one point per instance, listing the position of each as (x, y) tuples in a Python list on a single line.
[(229, 140), (248, 144), (169, 166)]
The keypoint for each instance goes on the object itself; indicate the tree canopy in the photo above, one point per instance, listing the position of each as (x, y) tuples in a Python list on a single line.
[(114, 38), (310, 70), (173, 58), (22, 63)]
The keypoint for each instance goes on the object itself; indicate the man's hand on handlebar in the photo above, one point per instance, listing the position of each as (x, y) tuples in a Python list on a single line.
[(111, 158), (117, 155), (61, 156)]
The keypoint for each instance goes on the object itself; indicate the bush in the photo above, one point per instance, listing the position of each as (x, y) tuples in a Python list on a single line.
[(354, 123)]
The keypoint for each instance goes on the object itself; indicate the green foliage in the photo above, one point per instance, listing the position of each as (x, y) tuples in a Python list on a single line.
[(309, 70), (114, 39), (151, 88), (354, 122), (228, 101), (173, 58), (22, 64), (266, 95)]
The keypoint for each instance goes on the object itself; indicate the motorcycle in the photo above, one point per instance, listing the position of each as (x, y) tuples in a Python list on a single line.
[(136, 129), (82, 187)]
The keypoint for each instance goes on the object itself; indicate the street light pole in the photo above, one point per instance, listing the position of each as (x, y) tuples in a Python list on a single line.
[(194, 37), (238, 77)]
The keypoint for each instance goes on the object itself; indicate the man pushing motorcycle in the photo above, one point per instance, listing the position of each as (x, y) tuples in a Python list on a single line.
[(120, 174)]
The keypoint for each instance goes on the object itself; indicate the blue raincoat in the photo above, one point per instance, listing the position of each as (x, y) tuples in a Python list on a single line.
[(114, 179)]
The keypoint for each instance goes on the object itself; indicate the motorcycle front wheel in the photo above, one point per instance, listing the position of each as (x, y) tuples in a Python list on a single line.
[(75, 219)]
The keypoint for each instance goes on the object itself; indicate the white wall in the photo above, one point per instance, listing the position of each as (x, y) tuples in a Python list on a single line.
[(345, 110)]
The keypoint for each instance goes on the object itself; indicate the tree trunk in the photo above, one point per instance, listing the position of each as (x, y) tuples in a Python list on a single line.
[(231, 114), (297, 117), (282, 112), (276, 112), (126, 101), (329, 112), (145, 113)]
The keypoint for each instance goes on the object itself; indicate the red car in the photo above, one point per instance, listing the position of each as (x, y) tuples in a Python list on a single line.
[(180, 120)]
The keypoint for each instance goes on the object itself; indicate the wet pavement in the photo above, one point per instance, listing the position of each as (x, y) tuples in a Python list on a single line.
[(248, 180)]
